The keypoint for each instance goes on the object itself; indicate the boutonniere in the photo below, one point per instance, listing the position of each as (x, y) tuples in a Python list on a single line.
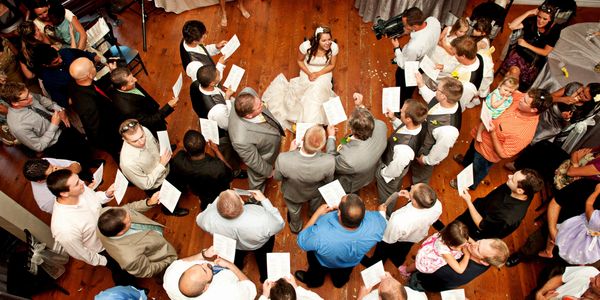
[(394, 139), (454, 74), (346, 139), (597, 98), (434, 122)]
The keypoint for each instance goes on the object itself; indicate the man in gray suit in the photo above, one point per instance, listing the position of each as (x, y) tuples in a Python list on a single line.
[(301, 172), (256, 136), (355, 160)]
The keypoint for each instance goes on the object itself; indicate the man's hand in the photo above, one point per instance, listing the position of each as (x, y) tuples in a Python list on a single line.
[(419, 79), (229, 92), (209, 253), (291, 280), (390, 115), (465, 195), (257, 195), (224, 263), (323, 209), (358, 99), (212, 146), (331, 130), (91, 185), (293, 145), (110, 192), (112, 63), (546, 296), (404, 193), (55, 118), (173, 102), (155, 199), (64, 118), (221, 44), (165, 157), (267, 288), (222, 60), (382, 207), (395, 42), (439, 67), (421, 160)]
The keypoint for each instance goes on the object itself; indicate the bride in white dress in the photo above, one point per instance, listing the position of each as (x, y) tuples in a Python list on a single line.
[(301, 99)]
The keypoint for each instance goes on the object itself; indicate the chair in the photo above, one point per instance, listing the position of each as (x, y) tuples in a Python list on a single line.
[(101, 37)]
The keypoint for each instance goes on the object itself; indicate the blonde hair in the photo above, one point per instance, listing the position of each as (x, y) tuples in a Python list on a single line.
[(509, 81), (460, 23)]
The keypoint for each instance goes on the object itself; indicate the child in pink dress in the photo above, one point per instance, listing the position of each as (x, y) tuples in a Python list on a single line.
[(441, 248)]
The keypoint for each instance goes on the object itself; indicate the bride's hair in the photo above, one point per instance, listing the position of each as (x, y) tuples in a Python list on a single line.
[(314, 43)]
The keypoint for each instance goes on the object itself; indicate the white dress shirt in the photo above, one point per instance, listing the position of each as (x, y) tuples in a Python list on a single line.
[(403, 155), (301, 294), (192, 67), (220, 112), (445, 136), (421, 43), (224, 285), (42, 195), (74, 227), (411, 224), (576, 281), (252, 229), (469, 89), (142, 166)]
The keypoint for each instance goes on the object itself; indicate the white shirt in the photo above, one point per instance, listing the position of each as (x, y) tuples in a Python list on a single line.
[(411, 224), (74, 227), (421, 43), (412, 295), (301, 294), (445, 136), (192, 67), (469, 89), (224, 285), (252, 229), (142, 166), (576, 281), (42, 195), (220, 112), (403, 155)]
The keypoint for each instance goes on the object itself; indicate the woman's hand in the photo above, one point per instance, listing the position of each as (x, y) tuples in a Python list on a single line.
[(313, 76)]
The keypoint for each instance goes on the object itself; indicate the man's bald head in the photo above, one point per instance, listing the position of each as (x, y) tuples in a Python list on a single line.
[(352, 211), (230, 205), (194, 281), (314, 139), (82, 69)]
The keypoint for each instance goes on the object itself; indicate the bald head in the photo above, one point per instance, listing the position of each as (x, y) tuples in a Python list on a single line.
[(230, 205), (351, 211), (194, 281), (82, 69), (314, 139)]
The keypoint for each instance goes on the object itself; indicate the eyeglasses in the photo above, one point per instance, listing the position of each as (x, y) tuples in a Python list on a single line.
[(128, 126)]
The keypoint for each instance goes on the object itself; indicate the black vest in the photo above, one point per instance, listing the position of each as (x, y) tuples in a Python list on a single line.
[(477, 75), (413, 141), (202, 103), (188, 57), (435, 121)]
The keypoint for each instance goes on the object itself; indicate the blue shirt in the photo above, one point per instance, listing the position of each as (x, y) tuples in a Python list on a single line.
[(338, 247)]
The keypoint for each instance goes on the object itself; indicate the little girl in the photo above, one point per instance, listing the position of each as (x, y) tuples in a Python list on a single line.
[(499, 100), (481, 32), (577, 237), (444, 51), (442, 248)]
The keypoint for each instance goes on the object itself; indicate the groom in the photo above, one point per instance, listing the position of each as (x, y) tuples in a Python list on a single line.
[(256, 136)]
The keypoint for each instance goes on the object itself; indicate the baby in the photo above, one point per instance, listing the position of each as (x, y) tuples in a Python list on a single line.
[(499, 100)]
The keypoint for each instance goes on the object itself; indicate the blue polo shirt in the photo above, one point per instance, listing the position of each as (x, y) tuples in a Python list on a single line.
[(338, 247)]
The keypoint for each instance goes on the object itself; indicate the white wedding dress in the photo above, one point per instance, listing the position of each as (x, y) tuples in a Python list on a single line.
[(299, 99)]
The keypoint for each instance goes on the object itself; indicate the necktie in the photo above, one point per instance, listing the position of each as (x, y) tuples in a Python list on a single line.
[(143, 227), (46, 115), (100, 91), (273, 123)]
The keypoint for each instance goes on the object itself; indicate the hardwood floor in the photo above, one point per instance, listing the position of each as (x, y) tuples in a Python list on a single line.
[(269, 41)]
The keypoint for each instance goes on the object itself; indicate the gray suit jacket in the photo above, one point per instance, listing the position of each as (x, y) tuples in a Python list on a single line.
[(301, 176), (257, 144), (142, 254), (356, 161)]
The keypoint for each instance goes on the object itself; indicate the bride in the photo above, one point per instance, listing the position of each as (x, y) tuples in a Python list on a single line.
[(301, 99)]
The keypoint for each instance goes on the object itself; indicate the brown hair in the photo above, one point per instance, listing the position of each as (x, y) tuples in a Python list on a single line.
[(455, 234), (414, 16), (11, 91), (119, 76), (57, 181), (244, 104), (416, 110), (314, 139), (424, 195), (460, 23), (541, 99), (362, 123), (314, 43), (532, 183), (465, 46), (451, 88), (110, 222)]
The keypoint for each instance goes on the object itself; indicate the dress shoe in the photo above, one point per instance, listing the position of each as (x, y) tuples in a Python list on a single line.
[(300, 275), (459, 158), (513, 260), (177, 212), (240, 174), (510, 166), (453, 184)]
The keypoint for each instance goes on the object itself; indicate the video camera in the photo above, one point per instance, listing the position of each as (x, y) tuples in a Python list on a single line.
[(390, 28)]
